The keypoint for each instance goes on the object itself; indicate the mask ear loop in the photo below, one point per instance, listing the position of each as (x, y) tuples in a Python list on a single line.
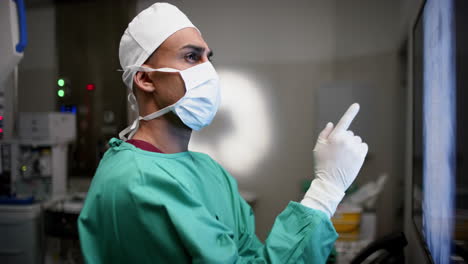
[(133, 128), (146, 69)]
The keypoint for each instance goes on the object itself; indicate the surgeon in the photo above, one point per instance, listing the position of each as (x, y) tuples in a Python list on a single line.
[(154, 201)]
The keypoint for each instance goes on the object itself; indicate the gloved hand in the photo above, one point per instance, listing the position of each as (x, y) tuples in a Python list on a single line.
[(338, 157)]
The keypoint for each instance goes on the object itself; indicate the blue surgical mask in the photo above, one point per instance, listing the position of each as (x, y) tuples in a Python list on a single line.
[(196, 108)]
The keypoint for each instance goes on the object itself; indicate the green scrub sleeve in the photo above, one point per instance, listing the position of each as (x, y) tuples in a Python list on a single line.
[(299, 234)]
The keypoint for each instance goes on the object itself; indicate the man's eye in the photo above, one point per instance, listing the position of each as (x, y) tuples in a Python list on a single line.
[(192, 57)]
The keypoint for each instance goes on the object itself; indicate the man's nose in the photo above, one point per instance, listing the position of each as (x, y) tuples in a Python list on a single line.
[(205, 58)]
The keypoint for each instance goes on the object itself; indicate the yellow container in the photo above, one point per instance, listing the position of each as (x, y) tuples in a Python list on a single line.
[(347, 222)]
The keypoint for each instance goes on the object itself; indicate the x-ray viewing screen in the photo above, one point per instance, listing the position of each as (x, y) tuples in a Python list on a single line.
[(434, 94), (439, 127)]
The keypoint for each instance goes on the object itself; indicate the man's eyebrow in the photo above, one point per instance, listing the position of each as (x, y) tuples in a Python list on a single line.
[(197, 49)]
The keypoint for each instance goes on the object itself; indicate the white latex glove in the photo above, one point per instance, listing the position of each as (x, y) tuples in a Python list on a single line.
[(338, 157)]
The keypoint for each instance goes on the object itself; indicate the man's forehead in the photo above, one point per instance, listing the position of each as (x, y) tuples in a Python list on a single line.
[(184, 38)]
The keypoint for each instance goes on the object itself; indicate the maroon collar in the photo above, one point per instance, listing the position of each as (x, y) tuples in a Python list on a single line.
[(144, 145)]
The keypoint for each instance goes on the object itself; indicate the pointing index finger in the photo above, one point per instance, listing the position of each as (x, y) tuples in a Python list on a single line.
[(347, 118)]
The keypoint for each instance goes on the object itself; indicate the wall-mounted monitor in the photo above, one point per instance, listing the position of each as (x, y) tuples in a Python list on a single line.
[(440, 129)]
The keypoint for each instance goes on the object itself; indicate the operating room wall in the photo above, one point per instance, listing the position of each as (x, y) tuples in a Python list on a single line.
[(284, 53)]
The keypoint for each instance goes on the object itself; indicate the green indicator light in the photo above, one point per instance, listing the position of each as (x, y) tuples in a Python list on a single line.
[(61, 93), (24, 168), (61, 82)]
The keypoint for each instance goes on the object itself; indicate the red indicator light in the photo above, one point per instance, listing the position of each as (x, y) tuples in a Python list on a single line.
[(90, 87), (1, 118), (1, 130)]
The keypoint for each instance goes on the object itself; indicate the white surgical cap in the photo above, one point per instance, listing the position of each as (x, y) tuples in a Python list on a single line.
[(147, 31)]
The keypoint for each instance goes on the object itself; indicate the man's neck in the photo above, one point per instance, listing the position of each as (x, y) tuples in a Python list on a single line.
[(170, 136)]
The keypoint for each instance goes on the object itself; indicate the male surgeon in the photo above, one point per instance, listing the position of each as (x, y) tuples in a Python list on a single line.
[(154, 201)]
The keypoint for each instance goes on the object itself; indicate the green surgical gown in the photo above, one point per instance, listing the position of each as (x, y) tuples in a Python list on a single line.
[(147, 207)]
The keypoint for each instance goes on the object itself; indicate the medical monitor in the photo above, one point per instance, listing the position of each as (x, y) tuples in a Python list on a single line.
[(440, 134)]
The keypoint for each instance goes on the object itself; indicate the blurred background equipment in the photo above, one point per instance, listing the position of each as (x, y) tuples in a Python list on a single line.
[(20, 241), (22, 234), (87, 36), (52, 127), (34, 164), (13, 42), (33, 150), (355, 220), (12, 45)]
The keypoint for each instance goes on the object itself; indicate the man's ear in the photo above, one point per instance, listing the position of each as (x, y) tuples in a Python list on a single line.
[(143, 82)]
